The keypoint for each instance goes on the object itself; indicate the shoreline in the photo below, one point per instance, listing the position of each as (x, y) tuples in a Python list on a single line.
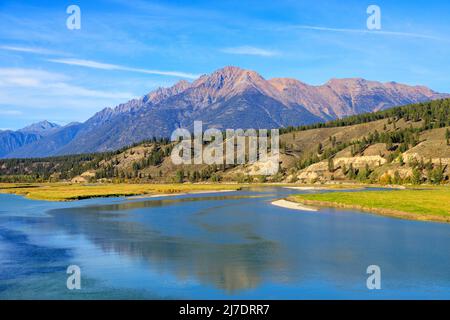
[(392, 213), (74, 192), (283, 203), (156, 195), (326, 188), (64, 192)]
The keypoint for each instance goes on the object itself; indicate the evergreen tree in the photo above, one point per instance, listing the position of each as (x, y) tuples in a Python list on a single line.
[(330, 165), (437, 174), (397, 178), (319, 148), (179, 176), (416, 176)]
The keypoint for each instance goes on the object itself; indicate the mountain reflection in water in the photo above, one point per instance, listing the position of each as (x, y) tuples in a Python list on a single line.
[(217, 246), (230, 266)]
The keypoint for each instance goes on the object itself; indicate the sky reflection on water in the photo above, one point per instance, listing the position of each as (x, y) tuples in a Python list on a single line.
[(233, 245)]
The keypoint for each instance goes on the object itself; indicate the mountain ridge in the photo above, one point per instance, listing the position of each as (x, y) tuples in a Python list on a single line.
[(407, 144), (230, 97), (11, 140)]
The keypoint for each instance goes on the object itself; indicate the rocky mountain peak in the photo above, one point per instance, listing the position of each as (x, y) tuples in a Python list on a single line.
[(231, 81), (228, 78), (40, 127), (161, 94), (230, 97), (282, 84)]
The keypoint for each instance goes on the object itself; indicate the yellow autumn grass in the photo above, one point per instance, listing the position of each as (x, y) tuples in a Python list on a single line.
[(68, 192)]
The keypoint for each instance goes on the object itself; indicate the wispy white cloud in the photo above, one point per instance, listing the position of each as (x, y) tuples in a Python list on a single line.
[(48, 84), (33, 50), (64, 89), (249, 50), (10, 113), (364, 31), (40, 94), (106, 66), (20, 77)]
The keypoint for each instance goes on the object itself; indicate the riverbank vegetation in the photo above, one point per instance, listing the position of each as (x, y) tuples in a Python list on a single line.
[(68, 192), (425, 204), (402, 145)]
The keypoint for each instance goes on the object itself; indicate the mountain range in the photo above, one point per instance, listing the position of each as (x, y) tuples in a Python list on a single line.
[(13, 140), (230, 97)]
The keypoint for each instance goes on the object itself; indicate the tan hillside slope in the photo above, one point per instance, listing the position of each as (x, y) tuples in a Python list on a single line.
[(408, 144), (384, 162)]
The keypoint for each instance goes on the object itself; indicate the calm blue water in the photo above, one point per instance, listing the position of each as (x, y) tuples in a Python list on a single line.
[(223, 245)]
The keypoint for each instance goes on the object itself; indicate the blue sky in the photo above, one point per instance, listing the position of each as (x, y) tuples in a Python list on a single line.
[(126, 48)]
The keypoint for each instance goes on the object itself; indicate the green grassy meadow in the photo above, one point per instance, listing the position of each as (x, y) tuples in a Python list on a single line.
[(428, 204)]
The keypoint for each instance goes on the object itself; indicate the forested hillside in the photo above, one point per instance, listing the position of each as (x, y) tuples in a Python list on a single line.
[(408, 144)]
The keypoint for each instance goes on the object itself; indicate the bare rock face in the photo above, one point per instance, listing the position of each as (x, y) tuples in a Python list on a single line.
[(319, 171), (360, 162), (344, 97), (230, 97), (160, 94)]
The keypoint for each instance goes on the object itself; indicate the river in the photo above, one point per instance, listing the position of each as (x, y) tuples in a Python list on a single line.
[(233, 245)]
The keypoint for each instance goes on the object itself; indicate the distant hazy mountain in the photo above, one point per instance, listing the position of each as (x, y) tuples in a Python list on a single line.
[(43, 128), (228, 98), (13, 140), (47, 145)]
